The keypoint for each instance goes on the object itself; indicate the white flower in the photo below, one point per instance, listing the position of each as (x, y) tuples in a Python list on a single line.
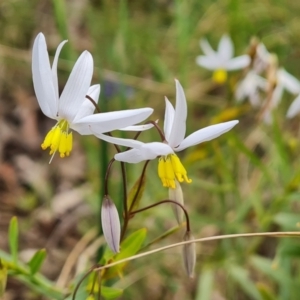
[(72, 110), (249, 88), (284, 81), (169, 167), (222, 60)]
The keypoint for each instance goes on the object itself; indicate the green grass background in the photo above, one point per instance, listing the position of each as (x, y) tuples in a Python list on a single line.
[(245, 181)]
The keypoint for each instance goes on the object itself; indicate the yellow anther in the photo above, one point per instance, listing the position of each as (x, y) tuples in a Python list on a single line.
[(48, 139), (56, 139), (220, 76), (170, 169), (63, 144), (179, 169), (161, 171), (59, 139), (69, 143)]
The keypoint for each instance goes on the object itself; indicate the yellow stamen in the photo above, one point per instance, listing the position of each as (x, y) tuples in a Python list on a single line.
[(59, 139), (170, 169), (220, 76)]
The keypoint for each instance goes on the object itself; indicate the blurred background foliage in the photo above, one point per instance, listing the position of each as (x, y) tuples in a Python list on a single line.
[(245, 181)]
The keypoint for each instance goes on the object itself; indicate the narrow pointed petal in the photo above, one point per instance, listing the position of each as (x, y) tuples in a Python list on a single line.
[(76, 87), (206, 48), (294, 109), (169, 118), (147, 151), (237, 63), (105, 122), (276, 97), (189, 255), (206, 134), (120, 141), (209, 62), (179, 123), (87, 108), (288, 81), (225, 48), (177, 195), (54, 68), (137, 127), (42, 78), (111, 224)]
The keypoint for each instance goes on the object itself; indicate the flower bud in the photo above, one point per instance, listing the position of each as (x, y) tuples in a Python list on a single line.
[(189, 254), (177, 195), (111, 224)]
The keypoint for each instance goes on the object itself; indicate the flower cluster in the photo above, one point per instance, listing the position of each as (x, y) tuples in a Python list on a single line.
[(73, 110), (261, 75)]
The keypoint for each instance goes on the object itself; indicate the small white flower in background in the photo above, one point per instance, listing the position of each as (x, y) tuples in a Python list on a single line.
[(170, 167), (284, 81), (249, 87), (72, 110), (262, 58), (222, 60)]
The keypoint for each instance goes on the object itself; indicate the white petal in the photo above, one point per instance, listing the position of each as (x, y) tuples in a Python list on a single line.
[(237, 63), (147, 151), (179, 123), (87, 107), (132, 156), (119, 141), (54, 68), (105, 122), (42, 78), (288, 81), (206, 48), (206, 134), (276, 96), (225, 48), (94, 92), (294, 109), (77, 87), (169, 118), (254, 99), (137, 127), (209, 62)]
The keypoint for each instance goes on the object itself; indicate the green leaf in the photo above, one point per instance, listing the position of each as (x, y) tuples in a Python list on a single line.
[(267, 267), (110, 292), (240, 275), (205, 284), (265, 292), (130, 246), (288, 221), (135, 194), (165, 235), (92, 288), (36, 261), (13, 235), (3, 278)]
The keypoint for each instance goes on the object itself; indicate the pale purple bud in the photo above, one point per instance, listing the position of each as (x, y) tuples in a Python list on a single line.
[(189, 254), (111, 224), (177, 195)]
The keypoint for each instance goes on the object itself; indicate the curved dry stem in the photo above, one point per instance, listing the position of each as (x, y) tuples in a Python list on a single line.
[(201, 240)]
